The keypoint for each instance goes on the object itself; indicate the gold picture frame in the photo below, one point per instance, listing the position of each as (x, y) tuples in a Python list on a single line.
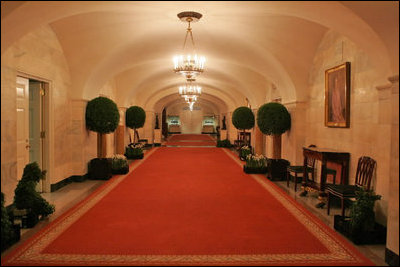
[(337, 96)]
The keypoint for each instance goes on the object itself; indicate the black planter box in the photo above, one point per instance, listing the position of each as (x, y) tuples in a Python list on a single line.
[(99, 169), (24, 218), (277, 169), (135, 156), (250, 170), (120, 171), (376, 236)]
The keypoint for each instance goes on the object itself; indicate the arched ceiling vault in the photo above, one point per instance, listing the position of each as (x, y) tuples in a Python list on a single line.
[(248, 45)]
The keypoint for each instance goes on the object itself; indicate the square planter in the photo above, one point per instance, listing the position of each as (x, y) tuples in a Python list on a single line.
[(251, 170), (120, 171), (99, 169), (376, 236), (135, 156), (277, 169), (25, 218)]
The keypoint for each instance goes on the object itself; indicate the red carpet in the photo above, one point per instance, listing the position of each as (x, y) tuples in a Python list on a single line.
[(186, 137), (190, 140), (187, 206)]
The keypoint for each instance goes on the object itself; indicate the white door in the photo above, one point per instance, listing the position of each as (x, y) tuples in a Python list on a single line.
[(22, 125)]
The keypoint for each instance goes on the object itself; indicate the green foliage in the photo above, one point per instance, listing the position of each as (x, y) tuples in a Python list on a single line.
[(133, 151), (243, 118), (26, 196), (362, 211), (244, 152), (255, 161), (135, 117), (102, 115), (119, 162), (273, 119), (224, 143), (7, 232)]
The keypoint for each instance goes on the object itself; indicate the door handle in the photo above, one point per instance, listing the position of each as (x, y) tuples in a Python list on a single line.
[(27, 146)]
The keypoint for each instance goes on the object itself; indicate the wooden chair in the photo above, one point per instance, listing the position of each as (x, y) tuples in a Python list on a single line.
[(365, 171), (299, 170)]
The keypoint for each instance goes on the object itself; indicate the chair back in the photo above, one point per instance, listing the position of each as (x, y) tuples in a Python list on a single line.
[(311, 161), (365, 170)]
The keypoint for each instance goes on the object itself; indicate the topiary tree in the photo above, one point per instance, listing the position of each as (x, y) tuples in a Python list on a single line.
[(274, 119), (26, 196), (135, 117), (102, 116), (243, 118)]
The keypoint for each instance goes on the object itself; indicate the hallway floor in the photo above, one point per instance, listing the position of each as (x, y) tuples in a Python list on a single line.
[(71, 194)]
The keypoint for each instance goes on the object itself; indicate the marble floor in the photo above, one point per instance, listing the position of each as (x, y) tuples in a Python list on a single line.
[(71, 194)]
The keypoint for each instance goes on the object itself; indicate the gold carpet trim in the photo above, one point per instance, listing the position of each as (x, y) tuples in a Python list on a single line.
[(31, 254)]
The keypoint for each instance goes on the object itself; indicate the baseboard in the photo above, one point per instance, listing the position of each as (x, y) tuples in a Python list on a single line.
[(391, 258), (60, 184)]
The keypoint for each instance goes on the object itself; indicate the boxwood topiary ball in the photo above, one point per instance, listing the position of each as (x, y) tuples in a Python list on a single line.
[(102, 115), (273, 118), (135, 117), (243, 118)]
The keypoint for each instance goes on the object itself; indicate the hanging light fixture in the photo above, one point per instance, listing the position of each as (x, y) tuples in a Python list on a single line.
[(190, 99), (189, 64), (189, 89)]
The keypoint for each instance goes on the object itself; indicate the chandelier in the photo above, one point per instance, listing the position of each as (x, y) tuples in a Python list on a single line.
[(190, 99), (189, 64), (189, 89)]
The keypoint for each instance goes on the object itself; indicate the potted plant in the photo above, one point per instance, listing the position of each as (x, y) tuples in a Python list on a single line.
[(224, 143), (244, 151), (29, 203), (119, 165), (134, 151), (255, 164), (10, 232), (135, 117), (274, 119), (243, 119), (361, 227), (102, 116)]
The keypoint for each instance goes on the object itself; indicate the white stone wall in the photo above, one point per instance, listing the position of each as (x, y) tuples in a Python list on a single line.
[(39, 55), (369, 132)]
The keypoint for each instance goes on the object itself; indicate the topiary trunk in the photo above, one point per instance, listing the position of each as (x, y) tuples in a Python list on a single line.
[(101, 145), (277, 144)]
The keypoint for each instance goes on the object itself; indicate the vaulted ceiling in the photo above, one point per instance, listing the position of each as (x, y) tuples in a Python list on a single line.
[(250, 47)]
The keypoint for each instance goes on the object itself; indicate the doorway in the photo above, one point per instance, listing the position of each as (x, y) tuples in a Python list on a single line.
[(32, 125)]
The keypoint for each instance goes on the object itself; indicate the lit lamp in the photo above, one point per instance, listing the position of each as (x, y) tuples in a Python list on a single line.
[(189, 65)]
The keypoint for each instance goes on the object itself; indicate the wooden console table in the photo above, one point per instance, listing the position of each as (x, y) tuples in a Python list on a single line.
[(325, 155)]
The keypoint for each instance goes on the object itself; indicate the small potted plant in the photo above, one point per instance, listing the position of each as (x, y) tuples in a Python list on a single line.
[(224, 143), (30, 205), (134, 151), (244, 151), (255, 164), (361, 227), (119, 165)]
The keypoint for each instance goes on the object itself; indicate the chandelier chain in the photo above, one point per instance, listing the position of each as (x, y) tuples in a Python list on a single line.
[(189, 31)]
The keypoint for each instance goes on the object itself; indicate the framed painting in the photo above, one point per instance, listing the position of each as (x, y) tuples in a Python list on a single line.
[(337, 96)]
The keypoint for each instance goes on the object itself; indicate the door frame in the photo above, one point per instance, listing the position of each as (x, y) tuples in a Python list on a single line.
[(47, 117)]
